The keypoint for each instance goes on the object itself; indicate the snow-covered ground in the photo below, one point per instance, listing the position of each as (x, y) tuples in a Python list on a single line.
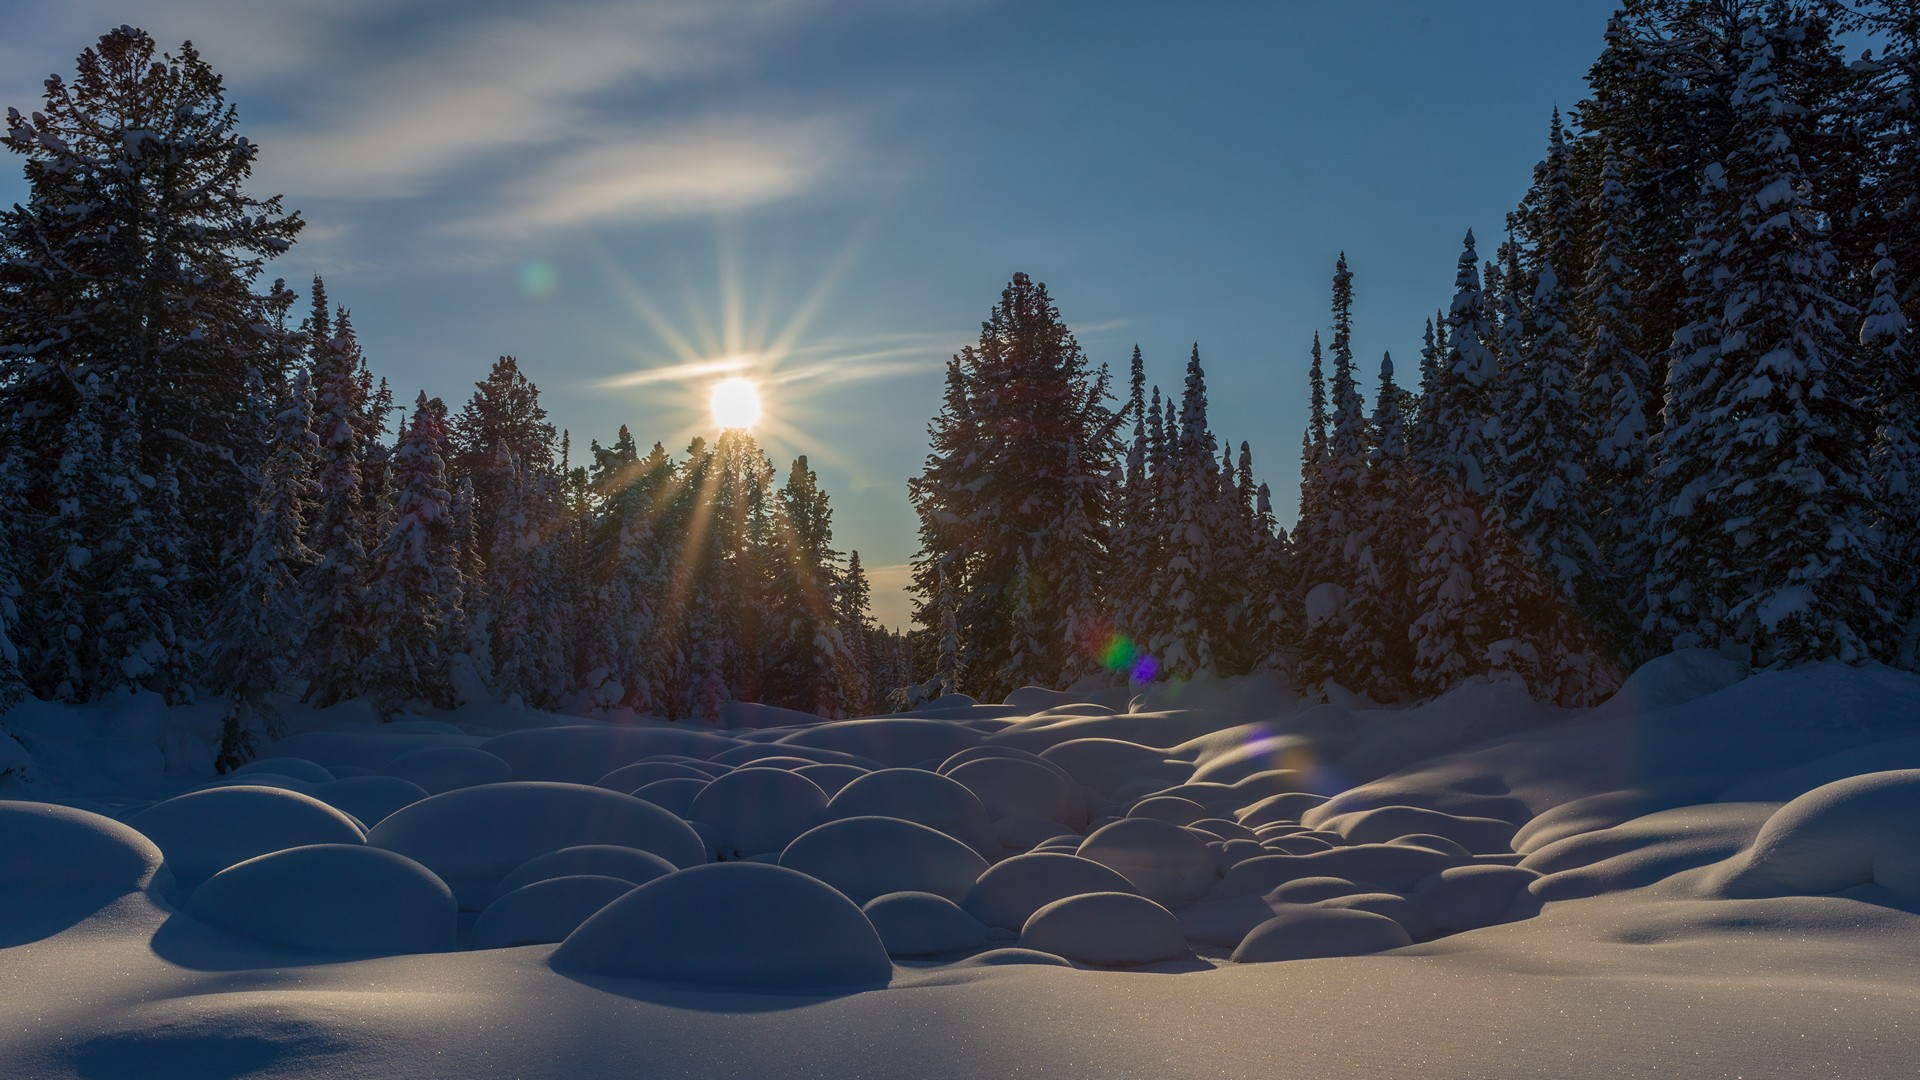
[(1706, 876)]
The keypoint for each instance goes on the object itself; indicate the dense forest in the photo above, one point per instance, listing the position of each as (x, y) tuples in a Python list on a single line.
[(1677, 406)]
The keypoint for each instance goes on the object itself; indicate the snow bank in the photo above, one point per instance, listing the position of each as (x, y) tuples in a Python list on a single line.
[(346, 898), (1111, 929), (674, 795), (204, 832), (890, 741), (545, 911), (369, 798), (865, 857), (741, 925), (297, 768), (641, 773), (583, 754), (473, 837), (1857, 831), (1008, 787), (1469, 897), (1105, 764)]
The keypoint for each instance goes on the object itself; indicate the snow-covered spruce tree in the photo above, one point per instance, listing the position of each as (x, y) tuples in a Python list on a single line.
[(413, 590), (141, 551), (1131, 557), (948, 668), (1615, 386), (1377, 657), (1895, 367), (1766, 511), (1277, 625), (1025, 426), (1450, 631), (1314, 544), (1340, 491), (627, 579), (1543, 493), (1184, 643), (261, 625), (337, 641), (13, 685), (853, 617), (1028, 657), (504, 411), (810, 663), (528, 648)]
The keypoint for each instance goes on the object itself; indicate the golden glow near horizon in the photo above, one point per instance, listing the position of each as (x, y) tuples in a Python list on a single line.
[(735, 403)]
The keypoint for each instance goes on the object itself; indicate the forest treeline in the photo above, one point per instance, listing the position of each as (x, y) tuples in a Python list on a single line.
[(201, 491), (1678, 406)]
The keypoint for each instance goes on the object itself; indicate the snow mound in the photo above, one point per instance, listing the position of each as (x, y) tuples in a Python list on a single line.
[(1479, 835), (917, 795), (1673, 679), (1284, 807), (1105, 764), (756, 811), (1857, 831), (1392, 867), (742, 925), (1171, 809), (1008, 894), (1412, 917), (1009, 787), (674, 795), (830, 778), (1110, 929), (1469, 897), (445, 768), (59, 865), (789, 755), (345, 898), (1163, 862), (297, 768), (1026, 833), (1308, 933), (474, 837), (1645, 850), (369, 798), (598, 860), (583, 754), (865, 857), (1311, 890), (641, 773), (545, 911), (890, 741), (204, 832), (922, 924)]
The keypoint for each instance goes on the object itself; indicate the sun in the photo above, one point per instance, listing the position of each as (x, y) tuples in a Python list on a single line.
[(735, 403)]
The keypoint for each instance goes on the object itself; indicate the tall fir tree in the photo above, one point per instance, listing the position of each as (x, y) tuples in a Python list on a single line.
[(1887, 339)]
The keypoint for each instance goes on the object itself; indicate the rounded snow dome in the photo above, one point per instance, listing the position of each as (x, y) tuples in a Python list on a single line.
[(545, 911), (369, 798), (1009, 787), (865, 857), (1008, 894), (347, 898), (1308, 933), (446, 768), (59, 865), (742, 925), (1163, 861), (922, 924), (473, 837), (756, 811), (204, 832), (917, 795), (1111, 929), (599, 860)]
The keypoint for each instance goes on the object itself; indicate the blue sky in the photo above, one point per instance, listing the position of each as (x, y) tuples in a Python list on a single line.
[(833, 194)]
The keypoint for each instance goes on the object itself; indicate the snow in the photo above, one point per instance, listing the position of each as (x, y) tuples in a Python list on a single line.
[(474, 837), (204, 832), (545, 911), (345, 898), (1111, 929), (439, 769), (923, 924), (1709, 874), (743, 925), (866, 857), (757, 811)]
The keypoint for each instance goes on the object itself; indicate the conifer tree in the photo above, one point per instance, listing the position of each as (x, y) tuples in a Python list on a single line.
[(1888, 342), (413, 591), (337, 641), (1184, 643)]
